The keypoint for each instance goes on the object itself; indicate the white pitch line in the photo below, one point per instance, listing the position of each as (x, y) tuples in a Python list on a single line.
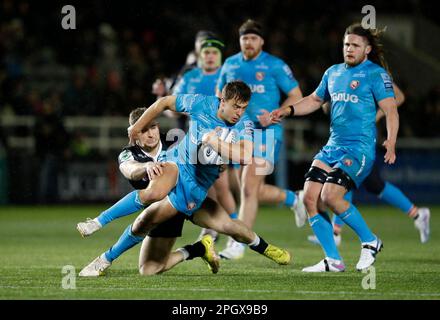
[(305, 292)]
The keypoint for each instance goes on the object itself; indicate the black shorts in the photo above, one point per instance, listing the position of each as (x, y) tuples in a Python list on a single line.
[(171, 228)]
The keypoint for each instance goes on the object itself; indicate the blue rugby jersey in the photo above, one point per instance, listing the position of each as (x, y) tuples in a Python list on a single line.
[(195, 81), (203, 119), (354, 93), (266, 76)]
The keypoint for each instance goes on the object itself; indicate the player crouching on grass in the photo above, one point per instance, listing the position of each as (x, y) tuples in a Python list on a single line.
[(138, 163)]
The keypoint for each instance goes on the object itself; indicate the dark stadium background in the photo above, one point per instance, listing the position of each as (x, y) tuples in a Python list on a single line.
[(106, 67)]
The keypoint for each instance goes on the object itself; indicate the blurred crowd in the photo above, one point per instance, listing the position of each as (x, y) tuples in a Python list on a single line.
[(108, 64)]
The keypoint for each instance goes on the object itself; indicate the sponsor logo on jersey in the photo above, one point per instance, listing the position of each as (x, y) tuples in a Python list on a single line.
[(362, 165), (354, 84), (344, 97), (263, 148), (387, 82), (125, 156), (262, 66), (257, 88), (348, 162), (331, 84), (259, 76), (288, 71), (359, 75), (190, 206)]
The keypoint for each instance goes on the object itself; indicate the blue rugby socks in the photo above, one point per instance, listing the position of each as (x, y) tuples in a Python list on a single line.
[(395, 197), (291, 198), (233, 215), (336, 219), (125, 242), (354, 220), (323, 230), (126, 206)]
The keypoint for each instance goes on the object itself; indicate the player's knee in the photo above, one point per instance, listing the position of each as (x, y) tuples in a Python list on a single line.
[(310, 201), (148, 196), (330, 199), (138, 227), (150, 269)]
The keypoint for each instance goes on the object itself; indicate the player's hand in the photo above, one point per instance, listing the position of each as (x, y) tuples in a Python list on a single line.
[(210, 137), (390, 155), (264, 118), (154, 170), (276, 115), (133, 135)]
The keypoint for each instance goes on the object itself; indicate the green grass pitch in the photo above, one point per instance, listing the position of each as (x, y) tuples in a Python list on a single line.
[(36, 242)]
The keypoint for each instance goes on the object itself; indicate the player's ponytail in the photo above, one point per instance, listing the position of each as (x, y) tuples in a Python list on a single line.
[(373, 37)]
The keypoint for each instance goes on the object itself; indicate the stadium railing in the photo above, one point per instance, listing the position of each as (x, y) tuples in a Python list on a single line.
[(105, 134)]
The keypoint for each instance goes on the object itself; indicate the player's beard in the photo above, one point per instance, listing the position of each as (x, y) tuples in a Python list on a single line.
[(354, 62), (251, 53)]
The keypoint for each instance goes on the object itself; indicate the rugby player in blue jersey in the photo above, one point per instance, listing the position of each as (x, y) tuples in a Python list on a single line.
[(354, 88), (386, 191), (139, 164), (267, 77), (203, 80), (197, 164)]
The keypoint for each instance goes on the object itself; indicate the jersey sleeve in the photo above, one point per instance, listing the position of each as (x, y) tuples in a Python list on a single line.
[(125, 155), (284, 77), (322, 90), (381, 85), (190, 103)]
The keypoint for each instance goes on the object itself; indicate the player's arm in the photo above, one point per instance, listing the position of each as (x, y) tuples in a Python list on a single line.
[(236, 152), (289, 85), (306, 105), (389, 108), (400, 99), (162, 104), (134, 170), (293, 97)]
